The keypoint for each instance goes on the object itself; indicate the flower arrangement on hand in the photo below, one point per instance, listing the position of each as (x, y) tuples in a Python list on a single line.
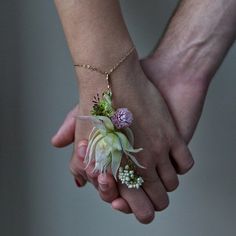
[(111, 139)]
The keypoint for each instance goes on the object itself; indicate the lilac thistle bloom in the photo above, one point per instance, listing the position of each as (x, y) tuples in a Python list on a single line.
[(122, 118)]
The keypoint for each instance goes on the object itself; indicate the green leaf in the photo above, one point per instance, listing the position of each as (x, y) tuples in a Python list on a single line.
[(136, 150), (91, 139), (107, 98), (123, 140), (93, 146), (102, 153), (106, 122), (115, 162), (94, 130), (113, 141), (133, 158), (98, 123), (130, 135)]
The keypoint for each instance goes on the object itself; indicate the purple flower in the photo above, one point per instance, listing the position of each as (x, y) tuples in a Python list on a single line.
[(122, 118)]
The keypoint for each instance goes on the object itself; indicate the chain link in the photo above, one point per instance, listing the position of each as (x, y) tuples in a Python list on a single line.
[(106, 73)]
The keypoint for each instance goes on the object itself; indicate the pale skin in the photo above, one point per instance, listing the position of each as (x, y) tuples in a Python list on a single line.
[(184, 87)]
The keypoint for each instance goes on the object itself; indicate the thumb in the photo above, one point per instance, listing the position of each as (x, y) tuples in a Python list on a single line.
[(65, 134)]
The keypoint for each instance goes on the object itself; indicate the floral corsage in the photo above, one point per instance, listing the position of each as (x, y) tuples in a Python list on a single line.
[(111, 140)]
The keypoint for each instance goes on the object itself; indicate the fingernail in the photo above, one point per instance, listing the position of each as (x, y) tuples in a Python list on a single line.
[(54, 136), (103, 185), (117, 209), (82, 150), (78, 183), (59, 131)]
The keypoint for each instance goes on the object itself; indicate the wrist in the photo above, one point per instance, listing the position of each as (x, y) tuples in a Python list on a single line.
[(169, 77), (184, 96), (197, 40), (186, 67), (92, 80), (104, 53)]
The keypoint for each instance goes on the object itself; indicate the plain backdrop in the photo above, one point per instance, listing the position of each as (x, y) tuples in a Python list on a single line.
[(37, 194)]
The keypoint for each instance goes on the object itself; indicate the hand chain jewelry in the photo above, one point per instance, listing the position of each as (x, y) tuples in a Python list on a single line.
[(107, 73)]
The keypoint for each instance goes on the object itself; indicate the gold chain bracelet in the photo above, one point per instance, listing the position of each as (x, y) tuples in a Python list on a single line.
[(107, 73)]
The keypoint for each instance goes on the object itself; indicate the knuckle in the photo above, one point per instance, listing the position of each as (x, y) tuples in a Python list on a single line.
[(162, 161), (147, 176), (158, 150), (91, 173), (159, 145), (74, 168)]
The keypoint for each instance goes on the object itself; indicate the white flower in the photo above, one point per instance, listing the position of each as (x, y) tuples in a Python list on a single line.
[(106, 145)]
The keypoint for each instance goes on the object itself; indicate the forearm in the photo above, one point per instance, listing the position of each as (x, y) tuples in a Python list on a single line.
[(191, 50), (197, 39), (95, 30)]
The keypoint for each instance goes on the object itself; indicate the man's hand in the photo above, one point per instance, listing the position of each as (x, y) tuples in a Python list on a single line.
[(188, 56)]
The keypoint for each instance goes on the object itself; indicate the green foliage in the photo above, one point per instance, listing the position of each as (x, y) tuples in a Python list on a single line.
[(103, 107)]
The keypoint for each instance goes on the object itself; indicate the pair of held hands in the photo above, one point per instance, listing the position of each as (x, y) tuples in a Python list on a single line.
[(162, 126)]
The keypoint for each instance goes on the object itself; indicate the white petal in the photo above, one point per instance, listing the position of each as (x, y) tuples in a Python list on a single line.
[(92, 133), (134, 160), (93, 145), (102, 150), (98, 123), (130, 135), (136, 150), (89, 145), (115, 162), (106, 122), (123, 140), (102, 153), (113, 140), (102, 166), (126, 144)]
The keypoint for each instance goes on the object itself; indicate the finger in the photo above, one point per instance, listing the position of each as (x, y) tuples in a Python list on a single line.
[(108, 189), (91, 174), (82, 130), (182, 157), (139, 203), (65, 134), (80, 181), (77, 162), (167, 174), (155, 189), (121, 205)]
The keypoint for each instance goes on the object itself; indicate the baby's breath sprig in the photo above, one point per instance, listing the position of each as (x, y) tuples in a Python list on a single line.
[(128, 176)]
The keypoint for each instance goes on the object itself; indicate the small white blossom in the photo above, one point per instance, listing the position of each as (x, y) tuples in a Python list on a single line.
[(127, 176)]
